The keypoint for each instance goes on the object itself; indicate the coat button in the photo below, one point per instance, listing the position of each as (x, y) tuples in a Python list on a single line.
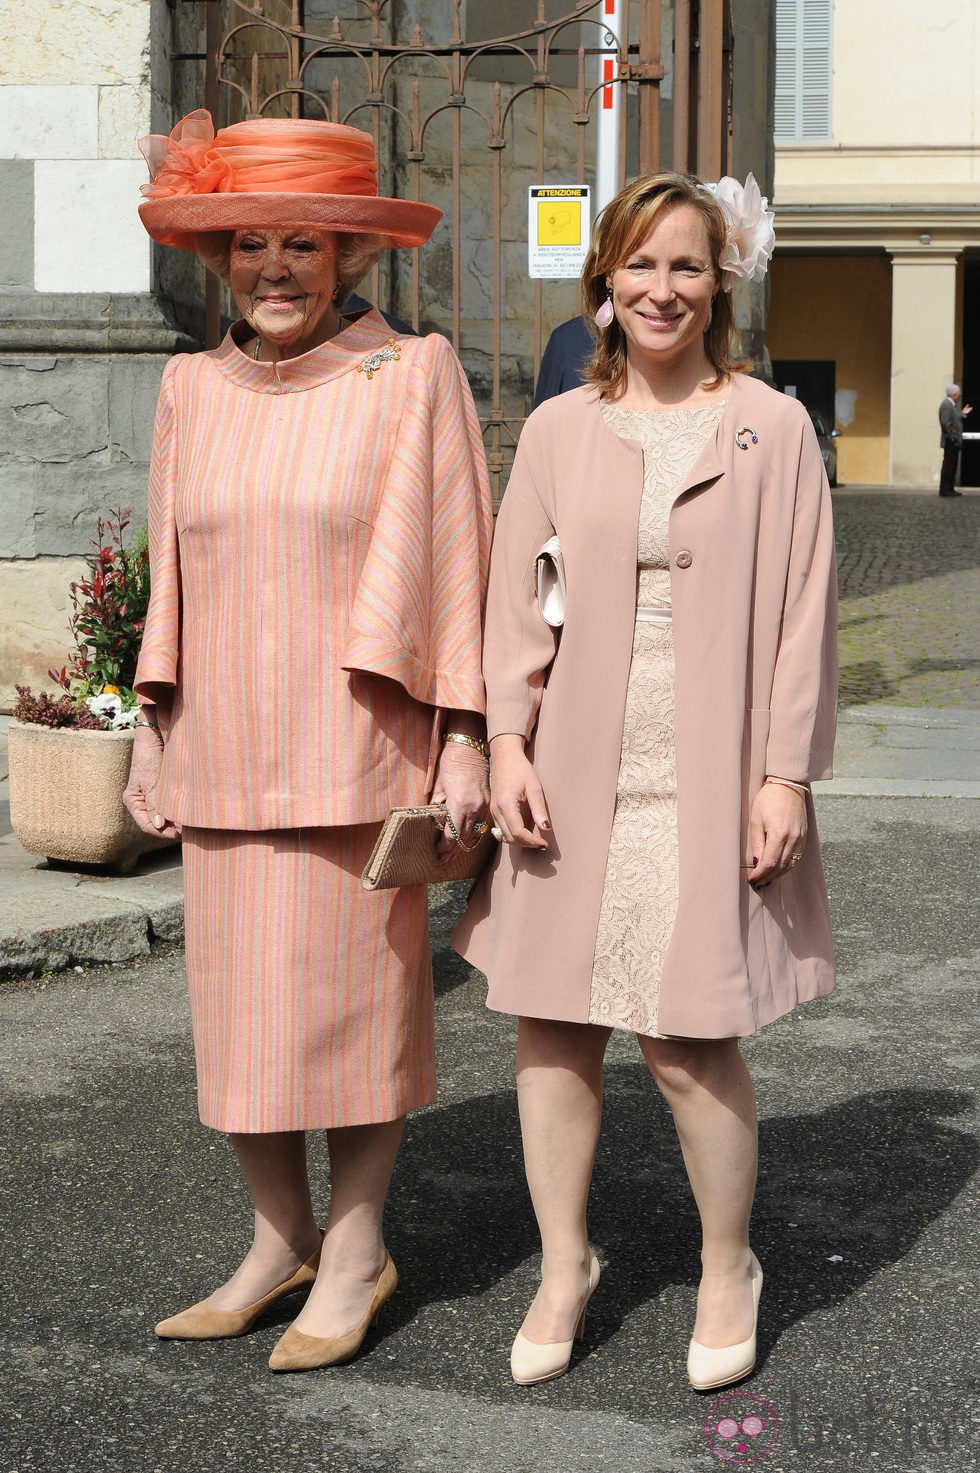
[(683, 560)]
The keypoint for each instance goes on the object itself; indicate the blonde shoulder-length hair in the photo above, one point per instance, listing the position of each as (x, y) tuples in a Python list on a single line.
[(623, 226), (356, 254)]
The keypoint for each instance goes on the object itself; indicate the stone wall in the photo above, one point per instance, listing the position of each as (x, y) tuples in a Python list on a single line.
[(82, 338)]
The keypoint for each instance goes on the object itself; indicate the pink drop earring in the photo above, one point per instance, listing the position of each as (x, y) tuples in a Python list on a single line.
[(605, 313)]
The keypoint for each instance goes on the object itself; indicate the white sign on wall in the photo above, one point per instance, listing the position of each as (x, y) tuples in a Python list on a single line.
[(557, 231)]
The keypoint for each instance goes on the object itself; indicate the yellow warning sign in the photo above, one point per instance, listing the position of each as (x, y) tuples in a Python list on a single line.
[(557, 230), (559, 223)]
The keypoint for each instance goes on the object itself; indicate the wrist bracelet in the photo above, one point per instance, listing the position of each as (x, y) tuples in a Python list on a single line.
[(477, 743), (153, 725), (454, 834), (787, 782)]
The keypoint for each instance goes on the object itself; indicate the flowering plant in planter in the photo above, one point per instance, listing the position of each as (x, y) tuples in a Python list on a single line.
[(70, 754), (54, 711), (108, 614)]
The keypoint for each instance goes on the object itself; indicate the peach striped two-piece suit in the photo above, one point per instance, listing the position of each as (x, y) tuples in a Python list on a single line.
[(318, 539)]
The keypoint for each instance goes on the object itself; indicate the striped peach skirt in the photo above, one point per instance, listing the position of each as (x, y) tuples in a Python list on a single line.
[(311, 998)]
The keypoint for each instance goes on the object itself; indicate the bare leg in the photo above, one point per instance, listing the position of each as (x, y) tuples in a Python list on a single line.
[(709, 1091), (362, 1158), (559, 1091), (286, 1233)]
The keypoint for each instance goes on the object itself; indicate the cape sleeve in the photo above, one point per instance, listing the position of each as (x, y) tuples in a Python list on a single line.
[(417, 613), (156, 670), (518, 645), (803, 702)]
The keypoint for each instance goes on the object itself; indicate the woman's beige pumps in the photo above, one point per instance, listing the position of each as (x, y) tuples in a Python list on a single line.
[(299, 1352), (708, 1368), (530, 1363), (200, 1322)]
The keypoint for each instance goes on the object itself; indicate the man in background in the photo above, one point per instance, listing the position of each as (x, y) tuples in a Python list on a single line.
[(567, 352), (951, 419)]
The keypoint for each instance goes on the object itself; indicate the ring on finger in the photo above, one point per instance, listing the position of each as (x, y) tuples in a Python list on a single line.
[(497, 834)]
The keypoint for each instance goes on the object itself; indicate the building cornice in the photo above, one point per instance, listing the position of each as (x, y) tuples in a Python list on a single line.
[(876, 150), (87, 322), (877, 227)]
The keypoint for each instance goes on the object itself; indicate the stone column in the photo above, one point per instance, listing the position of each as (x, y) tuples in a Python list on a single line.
[(924, 344), (753, 73)]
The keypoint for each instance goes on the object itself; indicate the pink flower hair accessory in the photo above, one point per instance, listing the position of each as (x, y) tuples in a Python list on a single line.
[(750, 237)]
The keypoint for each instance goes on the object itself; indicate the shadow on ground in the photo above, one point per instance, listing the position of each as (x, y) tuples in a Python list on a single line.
[(863, 1179)]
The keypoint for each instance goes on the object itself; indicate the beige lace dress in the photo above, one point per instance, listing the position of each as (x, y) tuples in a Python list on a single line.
[(639, 895)]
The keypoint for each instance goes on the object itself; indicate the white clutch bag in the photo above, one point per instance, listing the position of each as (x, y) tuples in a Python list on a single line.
[(550, 568)]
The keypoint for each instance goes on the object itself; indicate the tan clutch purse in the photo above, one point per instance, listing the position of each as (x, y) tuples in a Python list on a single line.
[(405, 853)]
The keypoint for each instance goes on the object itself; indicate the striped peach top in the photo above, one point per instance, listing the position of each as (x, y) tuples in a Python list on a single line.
[(319, 537)]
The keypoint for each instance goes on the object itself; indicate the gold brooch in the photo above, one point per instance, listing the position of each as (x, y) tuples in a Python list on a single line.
[(391, 352)]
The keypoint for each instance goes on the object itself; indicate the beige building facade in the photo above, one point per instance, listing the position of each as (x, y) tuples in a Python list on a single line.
[(875, 297)]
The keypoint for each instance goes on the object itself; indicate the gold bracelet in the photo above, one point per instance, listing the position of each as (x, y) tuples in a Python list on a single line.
[(476, 743), (786, 782)]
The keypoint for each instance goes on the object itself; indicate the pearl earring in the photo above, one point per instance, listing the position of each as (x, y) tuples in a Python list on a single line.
[(605, 313)]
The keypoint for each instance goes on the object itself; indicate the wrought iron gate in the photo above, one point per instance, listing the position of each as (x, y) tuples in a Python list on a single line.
[(467, 120)]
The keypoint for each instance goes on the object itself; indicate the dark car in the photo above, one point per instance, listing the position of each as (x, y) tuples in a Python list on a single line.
[(826, 435)]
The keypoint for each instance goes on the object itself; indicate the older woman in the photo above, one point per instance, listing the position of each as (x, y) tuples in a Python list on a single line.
[(651, 764), (319, 529)]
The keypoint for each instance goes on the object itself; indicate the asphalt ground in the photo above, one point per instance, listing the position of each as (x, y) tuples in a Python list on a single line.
[(120, 1207)]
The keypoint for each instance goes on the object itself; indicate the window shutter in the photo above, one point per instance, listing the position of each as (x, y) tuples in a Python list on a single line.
[(803, 70)]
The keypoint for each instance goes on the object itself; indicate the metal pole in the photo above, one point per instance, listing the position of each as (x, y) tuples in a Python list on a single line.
[(682, 85), (711, 35), (212, 44), (650, 23), (607, 160)]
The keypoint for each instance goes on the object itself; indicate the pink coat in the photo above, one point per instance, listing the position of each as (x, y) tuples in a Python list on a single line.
[(753, 585), (319, 536)]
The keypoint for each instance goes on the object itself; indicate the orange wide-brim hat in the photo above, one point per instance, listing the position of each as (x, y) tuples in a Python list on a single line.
[(272, 173)]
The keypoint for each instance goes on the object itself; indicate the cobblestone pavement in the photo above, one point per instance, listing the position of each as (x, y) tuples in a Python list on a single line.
[(910, 598)]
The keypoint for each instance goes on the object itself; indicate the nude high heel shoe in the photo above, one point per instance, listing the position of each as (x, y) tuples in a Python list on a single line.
[(708, 1368), (299, 1352), (530, 1363), (200, 1322)]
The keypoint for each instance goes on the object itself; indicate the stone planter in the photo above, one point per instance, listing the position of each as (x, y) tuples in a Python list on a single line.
[(66, 790)]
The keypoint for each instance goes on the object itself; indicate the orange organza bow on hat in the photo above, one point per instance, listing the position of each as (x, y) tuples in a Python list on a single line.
[(272, 155)]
